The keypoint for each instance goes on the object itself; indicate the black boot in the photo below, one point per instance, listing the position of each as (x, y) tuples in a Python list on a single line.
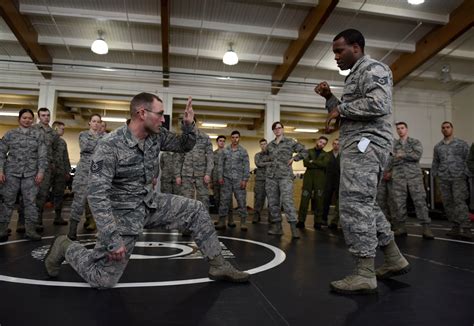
[(72, 230), (58, 220)]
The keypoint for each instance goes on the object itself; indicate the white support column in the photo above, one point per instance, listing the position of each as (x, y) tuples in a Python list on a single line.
[(48, 99), (168, 106), (272, 114)]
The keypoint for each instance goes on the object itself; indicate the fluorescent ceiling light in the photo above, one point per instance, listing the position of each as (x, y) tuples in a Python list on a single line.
[(112, 119), (416, 2), (306, 130), (344, 72), (99, 46), (214, 125), (212, 136), (9, 114), (230, 57)]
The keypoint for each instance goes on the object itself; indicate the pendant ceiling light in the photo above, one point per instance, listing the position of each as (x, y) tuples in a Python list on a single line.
[(416, 2), (230, 57), (99, 46)]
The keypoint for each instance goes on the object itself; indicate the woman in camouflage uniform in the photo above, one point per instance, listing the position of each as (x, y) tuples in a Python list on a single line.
[(87, 142), (23, 161)]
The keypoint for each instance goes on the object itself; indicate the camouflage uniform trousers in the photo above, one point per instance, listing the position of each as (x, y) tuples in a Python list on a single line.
[(280, 189), (400, 188), (216, 190), (43, 192), (227, 189), (454, 193), (28, 190), (59, 185), (79, 202), (168, 186), (385, 200), (173, 212), (363, 222), (259, 196), (195, 186)]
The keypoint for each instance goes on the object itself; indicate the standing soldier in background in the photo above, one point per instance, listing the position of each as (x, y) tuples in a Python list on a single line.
[(407, 177), (51, 141), (61, 173), (279, 182), (23, 162), (262, 160), (314, 180), (103, 128), (194, 169), (365, 116), (333, 176), (450, 166), (233, 174), (216, 186), (87, 142), (168, 162)]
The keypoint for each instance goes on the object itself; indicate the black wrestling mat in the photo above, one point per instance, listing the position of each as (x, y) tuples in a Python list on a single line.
[(166, 283)]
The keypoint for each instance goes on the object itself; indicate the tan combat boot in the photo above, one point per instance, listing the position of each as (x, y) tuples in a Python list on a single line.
[(294, 231), (394, 262), (454, 232), (230, 222), (31, 232), (275, 229), (427, 233), (221, 224), (222, 270), (56, 255), (362, 281)]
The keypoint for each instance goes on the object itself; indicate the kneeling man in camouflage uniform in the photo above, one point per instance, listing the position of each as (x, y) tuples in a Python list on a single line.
[(122, 200)]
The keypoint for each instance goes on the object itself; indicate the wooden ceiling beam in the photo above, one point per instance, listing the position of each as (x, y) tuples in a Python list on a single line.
[(165, 41), (27, 36), (306, 34), (460, 20)]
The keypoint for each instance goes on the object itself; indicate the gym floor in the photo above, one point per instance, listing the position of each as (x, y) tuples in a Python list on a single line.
[(166, 283)]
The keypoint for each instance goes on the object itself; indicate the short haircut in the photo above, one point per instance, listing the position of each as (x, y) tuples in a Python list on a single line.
[(262, 140), (337, 139), (323, 137), (95, 115), (401, 123), (43, 110), (235, 132), (58, 123), (105, 123), (447, 122), (277, 123), (142, 99), (23, 111), (219, 137), (352, 36)]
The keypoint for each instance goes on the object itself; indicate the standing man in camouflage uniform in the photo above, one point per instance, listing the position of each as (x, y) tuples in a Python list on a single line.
[(23, 162), (216, 187), (333, 176), (61, 173), (122, 200), (194, 169), (449, 165), (262, 160), (51, 139), (168, 161), (279, 182), (233, 174), (407, 176), (314, 181), (365, 115)]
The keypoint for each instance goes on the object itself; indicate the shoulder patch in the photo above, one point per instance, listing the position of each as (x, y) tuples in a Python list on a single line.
[(380, 80), (96, 167)]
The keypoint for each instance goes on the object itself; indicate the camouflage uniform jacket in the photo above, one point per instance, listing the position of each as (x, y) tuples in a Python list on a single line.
[(120, 182), (450, 159), (215, 172), (199, 161), (61, 159), (234, 165), (407, 166), (262, 160), (167, 166), (281, 153), (23, 153), (51, 139), (87, 143), (366, 104)]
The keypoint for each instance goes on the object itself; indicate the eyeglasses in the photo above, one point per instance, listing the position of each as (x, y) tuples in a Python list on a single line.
[(158, 114)]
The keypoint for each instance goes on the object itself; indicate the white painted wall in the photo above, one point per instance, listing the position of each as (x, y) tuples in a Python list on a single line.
[(463, 114)]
